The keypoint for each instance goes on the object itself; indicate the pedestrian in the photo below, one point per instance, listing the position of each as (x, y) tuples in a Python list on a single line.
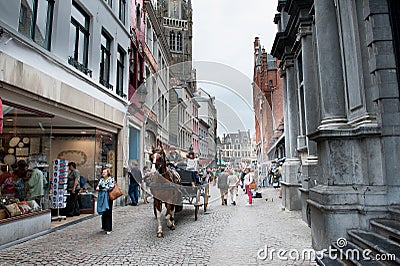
[(242, 174), (8, 184), (145, 181), (37, 183), (193, 166), (73, 188), (135, 178), (104, 203), (233, 182), (248, 179), (222, 182)]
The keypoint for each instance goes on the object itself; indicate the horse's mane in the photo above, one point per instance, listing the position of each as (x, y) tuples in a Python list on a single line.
[(162, 169)]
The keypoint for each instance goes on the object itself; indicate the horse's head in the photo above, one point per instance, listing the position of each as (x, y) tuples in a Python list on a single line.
[(158, 161)]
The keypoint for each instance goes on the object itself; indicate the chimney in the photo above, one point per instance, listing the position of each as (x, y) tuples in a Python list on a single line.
[(256, 43)]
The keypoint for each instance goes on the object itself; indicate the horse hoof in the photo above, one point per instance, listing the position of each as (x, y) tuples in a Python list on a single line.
[(159, 235), (172, 228)]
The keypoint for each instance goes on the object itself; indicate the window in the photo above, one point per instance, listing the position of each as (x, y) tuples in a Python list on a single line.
[(172, 40), (134, 144), (120, 72), (138, 15), (79, 39), (122, 7), (105, 60), (109, 2), (35, 21), (179, 41)]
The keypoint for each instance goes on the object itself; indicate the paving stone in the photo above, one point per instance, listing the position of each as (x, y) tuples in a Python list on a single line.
[(225, 235)]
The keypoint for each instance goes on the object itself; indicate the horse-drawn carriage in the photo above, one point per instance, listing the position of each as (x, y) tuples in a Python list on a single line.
[(193, 195), (175, 188)]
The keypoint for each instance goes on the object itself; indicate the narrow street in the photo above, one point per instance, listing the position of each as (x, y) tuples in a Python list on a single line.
[(224, 235)]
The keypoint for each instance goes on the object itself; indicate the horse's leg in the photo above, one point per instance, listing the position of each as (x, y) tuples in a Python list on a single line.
[(172, 217), (158, 208), (168, 216)]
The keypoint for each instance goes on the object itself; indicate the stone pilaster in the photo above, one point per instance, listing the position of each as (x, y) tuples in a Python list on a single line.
[(290, 170), (329, 65)]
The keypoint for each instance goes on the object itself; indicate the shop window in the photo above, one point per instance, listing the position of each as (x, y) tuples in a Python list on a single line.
[(79, 39), (120, 72), (105, 60), (35, 21), (25, 144), (105, 153)]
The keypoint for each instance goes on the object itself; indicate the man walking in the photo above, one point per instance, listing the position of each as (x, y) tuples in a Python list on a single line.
[(222, 183), (233, 182), (135, 178)]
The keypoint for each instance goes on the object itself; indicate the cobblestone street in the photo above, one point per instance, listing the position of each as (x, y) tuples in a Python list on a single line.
[(224, 235)]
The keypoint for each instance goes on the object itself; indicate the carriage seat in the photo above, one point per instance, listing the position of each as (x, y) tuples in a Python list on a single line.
[(187, 177)]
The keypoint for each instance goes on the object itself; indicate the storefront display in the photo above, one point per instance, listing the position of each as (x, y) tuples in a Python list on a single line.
[(34, 139)]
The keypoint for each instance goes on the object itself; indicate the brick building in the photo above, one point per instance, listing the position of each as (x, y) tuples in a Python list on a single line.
[(268, 106)]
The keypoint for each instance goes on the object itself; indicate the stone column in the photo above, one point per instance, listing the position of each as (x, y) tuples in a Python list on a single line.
[(310, 88), (329, 65), (309, 168), (285, 112)]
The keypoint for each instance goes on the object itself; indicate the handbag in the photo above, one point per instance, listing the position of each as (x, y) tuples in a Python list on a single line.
[(115, 193), (252, 185)]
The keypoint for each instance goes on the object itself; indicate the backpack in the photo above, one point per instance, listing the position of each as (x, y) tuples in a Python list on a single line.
[(82, 182)]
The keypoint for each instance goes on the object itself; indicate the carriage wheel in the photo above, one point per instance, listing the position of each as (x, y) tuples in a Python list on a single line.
[(196, 212)]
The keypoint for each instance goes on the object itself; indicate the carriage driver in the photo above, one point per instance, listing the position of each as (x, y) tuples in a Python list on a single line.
[(173, 157)]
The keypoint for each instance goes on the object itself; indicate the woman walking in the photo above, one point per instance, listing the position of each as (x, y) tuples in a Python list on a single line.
[(104, 204)]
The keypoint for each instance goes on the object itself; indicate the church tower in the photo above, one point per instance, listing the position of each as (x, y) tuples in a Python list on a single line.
[(175, 17)]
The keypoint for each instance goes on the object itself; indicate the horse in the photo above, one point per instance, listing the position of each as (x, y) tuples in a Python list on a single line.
[(164, 188)]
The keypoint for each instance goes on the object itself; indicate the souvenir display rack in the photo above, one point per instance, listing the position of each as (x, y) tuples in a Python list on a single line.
[(59, 187)]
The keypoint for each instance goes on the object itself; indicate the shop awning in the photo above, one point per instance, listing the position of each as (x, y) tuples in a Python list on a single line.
[(1, 116)]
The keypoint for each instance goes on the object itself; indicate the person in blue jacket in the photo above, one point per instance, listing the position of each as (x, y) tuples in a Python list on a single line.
[(104, 204)]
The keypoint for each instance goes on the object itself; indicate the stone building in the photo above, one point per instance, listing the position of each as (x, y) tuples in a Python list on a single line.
[(340, 69), (208, 113), (175, 17), (157, 59), (236, 148)]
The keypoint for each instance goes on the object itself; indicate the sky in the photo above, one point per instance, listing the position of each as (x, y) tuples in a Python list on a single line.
[(223, 54)]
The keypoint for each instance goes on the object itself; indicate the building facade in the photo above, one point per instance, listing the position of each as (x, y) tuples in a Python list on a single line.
[(236, 148), (208, 113), (64, 88), (268, 108), (157, 62), (340, 69), (136, 113)]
